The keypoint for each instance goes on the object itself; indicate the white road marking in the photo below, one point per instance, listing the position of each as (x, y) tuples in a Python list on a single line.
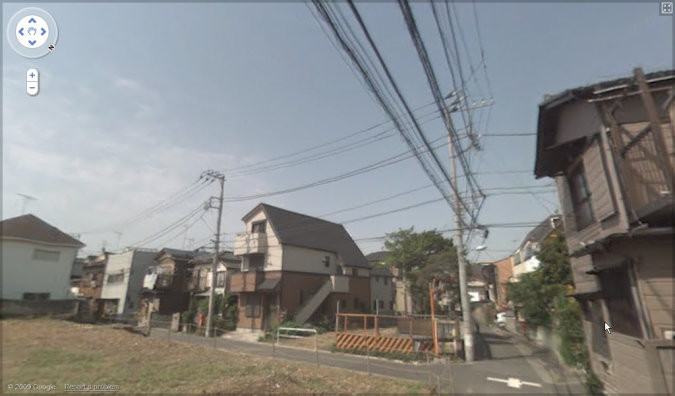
[(514, 382)]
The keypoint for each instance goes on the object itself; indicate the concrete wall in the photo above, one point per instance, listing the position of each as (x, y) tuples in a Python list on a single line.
[(67, 308), (21, 273)]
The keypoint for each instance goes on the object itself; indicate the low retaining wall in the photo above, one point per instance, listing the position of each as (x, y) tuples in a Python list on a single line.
[(66, 308)]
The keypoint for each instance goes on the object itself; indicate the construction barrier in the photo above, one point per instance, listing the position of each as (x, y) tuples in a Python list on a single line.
[(361, 342)]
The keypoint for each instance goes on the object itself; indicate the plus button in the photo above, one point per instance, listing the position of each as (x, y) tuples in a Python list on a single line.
[(32, 74)]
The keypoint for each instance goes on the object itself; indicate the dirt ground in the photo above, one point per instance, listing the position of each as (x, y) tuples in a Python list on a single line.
[(55, 353)]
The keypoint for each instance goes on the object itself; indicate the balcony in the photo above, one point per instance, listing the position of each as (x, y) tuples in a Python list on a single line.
[(250, 243), (164, 281)]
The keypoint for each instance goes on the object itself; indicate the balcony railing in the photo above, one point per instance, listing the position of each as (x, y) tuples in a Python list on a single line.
[(250, 243)]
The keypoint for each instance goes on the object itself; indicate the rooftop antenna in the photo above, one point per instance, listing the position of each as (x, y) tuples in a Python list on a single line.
[(26, 199), (119, 236)]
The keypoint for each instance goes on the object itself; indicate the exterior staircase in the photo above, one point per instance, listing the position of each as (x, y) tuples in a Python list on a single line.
[(336, 284)]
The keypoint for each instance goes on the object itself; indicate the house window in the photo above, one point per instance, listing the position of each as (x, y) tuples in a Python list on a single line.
[(258, 227), (220, 279), (354, 272), (116, 278), (581, 197), (618, 296), (386, 281), (326, 261), (252, 305), (36, 296), (46, 255)]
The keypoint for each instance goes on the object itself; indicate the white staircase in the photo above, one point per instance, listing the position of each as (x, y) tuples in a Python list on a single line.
[(336, 284)]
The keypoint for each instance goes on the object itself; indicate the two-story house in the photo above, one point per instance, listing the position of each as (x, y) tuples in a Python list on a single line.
[(37, 259), (296, 267), (200, 282), (91, 278), (609, 147), (167, 281), (123, 280), (402, 296)]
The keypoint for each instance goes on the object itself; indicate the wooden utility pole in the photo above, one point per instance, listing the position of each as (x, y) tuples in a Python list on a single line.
[(463, 290), (214, 267)]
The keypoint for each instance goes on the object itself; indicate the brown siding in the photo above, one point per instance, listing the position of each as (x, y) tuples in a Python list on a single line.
[(359, 287), (583, 282), (291, 285), (598, 183), (629, 365), (655, 282), (245, 281)]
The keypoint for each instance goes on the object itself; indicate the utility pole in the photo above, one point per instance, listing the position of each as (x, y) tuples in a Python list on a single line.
[(463, 292), (211, 174)]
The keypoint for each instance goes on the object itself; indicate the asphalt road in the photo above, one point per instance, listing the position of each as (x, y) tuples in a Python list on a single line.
[(499, 356)]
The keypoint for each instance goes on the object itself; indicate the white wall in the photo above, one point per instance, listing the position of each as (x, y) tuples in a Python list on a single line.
[(308, 260), (134, 264), (273, 255), (23, 274), (117, 263), (529, 265)]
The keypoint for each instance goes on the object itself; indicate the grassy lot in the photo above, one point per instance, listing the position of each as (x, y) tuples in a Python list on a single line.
[(44, 351)]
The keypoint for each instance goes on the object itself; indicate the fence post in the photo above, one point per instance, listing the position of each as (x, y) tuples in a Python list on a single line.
[(316, 347), (346, 323), (367, 354)]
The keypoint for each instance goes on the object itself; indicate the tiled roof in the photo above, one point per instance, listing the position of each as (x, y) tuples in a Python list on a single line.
[(381, 271), (32, 228), (376, 257)]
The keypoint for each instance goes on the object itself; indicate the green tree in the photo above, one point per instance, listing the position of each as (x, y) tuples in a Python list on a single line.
[(555, 265), (422, 256)]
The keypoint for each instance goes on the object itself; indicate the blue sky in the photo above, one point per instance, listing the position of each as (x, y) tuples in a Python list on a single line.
[(138, 99)]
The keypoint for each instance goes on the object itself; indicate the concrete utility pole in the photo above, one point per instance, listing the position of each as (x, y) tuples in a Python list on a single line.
[(463, 292), (211, 174)]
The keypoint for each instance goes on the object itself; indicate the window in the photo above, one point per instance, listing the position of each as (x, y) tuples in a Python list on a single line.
[(391, 305), (46, 255), (581, 197), (36, 296), (116, 278), (220, 279), (386, 281), (326, 261), (258, 227), (252, 305), (618, 295), (354, 272)]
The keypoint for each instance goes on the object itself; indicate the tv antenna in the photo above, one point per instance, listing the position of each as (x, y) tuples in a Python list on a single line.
[(25, 199)]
